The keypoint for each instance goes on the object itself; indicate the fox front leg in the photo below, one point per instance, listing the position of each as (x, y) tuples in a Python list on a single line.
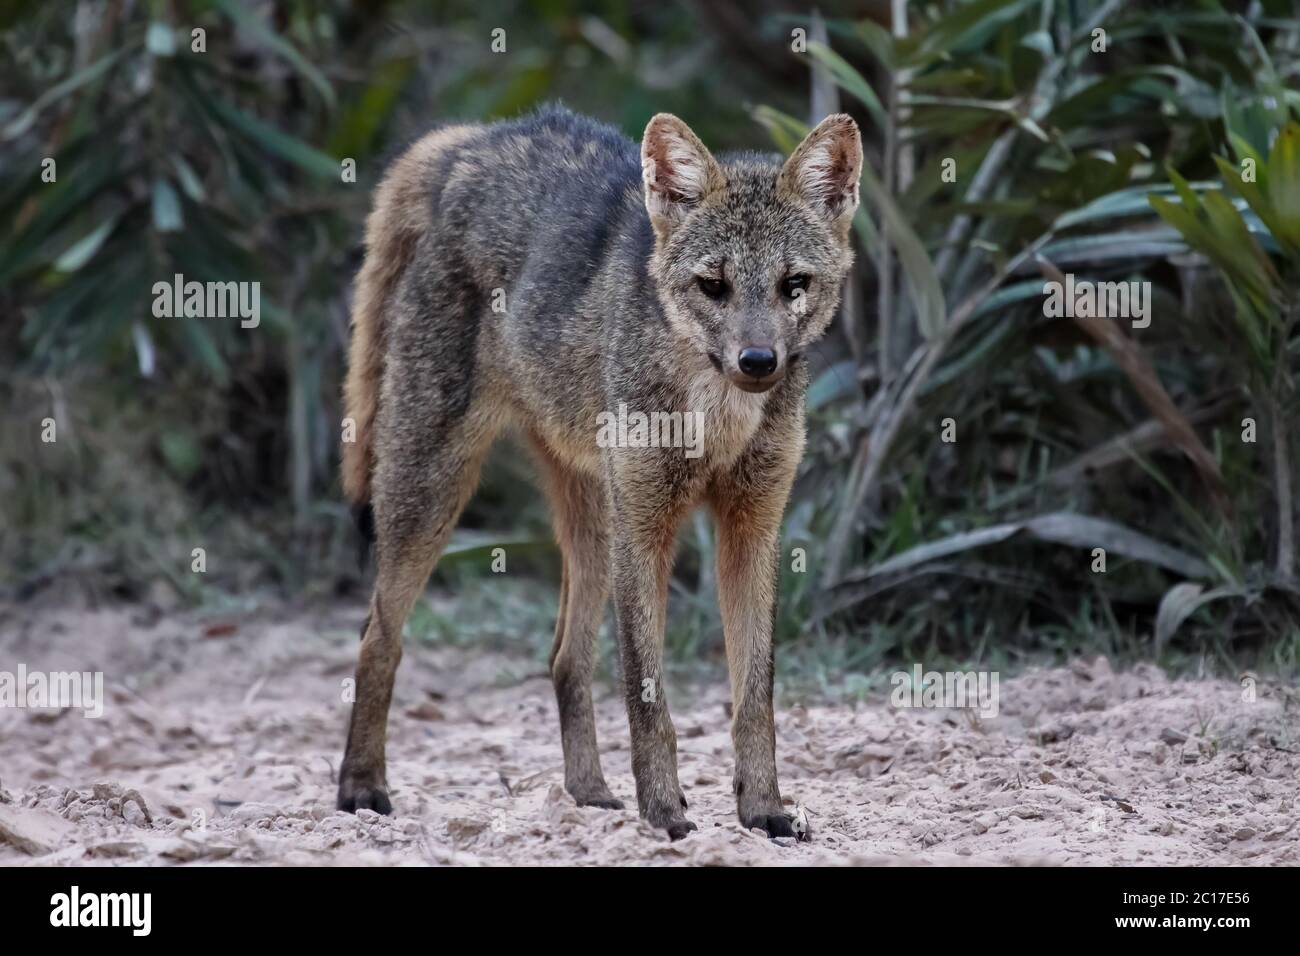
[(748, 504), (642, 553)]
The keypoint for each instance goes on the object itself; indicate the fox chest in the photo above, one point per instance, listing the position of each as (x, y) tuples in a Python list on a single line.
[(728, 419)]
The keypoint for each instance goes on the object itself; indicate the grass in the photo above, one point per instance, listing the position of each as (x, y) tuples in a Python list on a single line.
[(515, 613)]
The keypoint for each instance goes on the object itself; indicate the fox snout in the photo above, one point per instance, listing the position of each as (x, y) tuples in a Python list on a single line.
[(754, 368), (757, 361), (758, 367)]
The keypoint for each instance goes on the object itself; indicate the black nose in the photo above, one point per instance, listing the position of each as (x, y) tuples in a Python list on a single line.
[(757, 361)]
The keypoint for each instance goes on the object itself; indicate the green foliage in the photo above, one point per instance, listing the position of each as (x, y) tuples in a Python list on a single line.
[(226, 164), (1055, 153)]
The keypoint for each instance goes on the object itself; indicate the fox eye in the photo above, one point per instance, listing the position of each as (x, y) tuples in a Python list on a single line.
[(713, 288), (791, 285)]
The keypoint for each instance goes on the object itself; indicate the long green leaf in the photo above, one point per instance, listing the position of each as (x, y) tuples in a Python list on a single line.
[(918, 269), (84, 249), (275, 140), (20, 124), (965, 24), (1062, 527), (256, 27), (849, 80)]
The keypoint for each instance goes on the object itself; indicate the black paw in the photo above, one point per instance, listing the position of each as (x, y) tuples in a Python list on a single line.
[(354, 797), (774, 824), (669, 818), (606, 801), (677, 829)]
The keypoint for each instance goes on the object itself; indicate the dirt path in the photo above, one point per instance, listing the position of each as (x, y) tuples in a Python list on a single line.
[(221, 746)]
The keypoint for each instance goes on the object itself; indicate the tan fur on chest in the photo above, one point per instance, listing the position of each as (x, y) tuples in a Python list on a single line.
[(731, 417)]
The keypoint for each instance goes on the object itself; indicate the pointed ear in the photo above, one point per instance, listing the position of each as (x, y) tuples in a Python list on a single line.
[(678, 172), (825, 169)]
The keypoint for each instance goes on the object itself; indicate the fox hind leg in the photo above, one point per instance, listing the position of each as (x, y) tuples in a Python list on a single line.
[(416, 511), (433, 430)]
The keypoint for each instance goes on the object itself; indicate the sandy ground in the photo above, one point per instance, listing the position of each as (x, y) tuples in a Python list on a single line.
[(219, 744)]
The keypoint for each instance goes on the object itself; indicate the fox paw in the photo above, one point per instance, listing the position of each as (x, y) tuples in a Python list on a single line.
[(773, 824), (677, 829), (671, 820), (356, 794), (595, 796)]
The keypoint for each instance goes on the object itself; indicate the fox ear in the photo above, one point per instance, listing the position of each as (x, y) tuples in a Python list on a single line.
[(825, 168), (677, 170)]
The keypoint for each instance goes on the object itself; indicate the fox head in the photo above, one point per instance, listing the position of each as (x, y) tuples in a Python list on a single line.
[(750, 256)]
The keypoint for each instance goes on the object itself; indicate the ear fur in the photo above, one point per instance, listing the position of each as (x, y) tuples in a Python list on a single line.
[(825, 168), (676, 170)]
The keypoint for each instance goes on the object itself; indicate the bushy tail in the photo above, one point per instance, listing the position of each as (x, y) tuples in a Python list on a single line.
[(388, 249), (399, 217)]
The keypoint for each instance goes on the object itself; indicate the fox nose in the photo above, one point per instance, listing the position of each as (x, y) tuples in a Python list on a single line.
[(757, 361)]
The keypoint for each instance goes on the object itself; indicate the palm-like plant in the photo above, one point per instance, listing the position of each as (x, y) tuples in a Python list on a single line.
[(1256, 251), (1054, 128)]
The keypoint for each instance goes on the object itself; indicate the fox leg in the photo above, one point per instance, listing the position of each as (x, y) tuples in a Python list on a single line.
[(432, 432), (645, 518), (363, 783), (578, 510), (748, 504), (417, 501)]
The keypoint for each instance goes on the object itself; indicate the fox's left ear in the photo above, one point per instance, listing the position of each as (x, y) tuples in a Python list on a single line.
[(825, 169)]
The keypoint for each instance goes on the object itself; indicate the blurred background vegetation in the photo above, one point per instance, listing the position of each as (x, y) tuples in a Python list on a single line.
[(1101, 138)]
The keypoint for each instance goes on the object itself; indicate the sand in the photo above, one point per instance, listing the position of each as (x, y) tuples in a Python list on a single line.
[(219, 743)]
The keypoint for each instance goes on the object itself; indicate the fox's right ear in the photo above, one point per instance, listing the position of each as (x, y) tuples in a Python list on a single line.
[(677, 170)]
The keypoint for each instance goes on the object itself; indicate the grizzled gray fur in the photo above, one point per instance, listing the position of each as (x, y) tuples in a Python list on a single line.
[(537, 274)]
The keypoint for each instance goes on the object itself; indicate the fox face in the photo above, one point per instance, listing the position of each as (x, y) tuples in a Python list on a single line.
[(749, 256)]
